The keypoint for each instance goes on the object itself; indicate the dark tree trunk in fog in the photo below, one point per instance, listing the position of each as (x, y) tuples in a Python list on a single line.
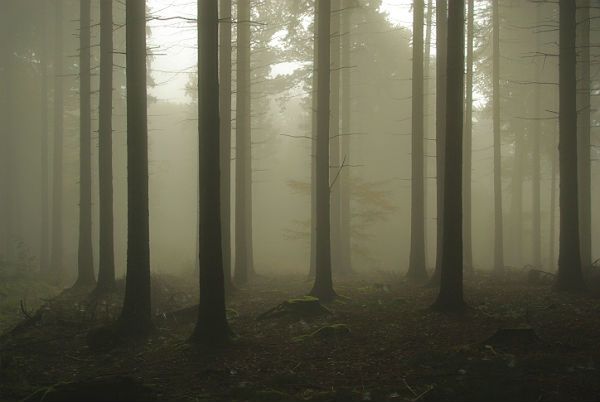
[(313, 150), (441, 15), (323, 286), (44, 134), (552, 235), (136, 316), (211, 327), (106, 267), (85, 260), (345, 258), (468, 142), (417, 271), (243, 164), (56, 251), (569, 257), (583, 129), (498, 224), (450, 297), (225, 129), (335, 160), (536, 219)]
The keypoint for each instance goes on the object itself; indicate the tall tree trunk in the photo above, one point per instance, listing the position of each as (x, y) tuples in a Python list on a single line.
[(85, 261), (313, 150), (44, 133), (211, 327), (136, 316), (569, 258), (334, 132), (450, 297), (498, 223), (225, 129), (243, 146), (106, 267), (583, 129), (517, 198), (323, 286), (345, 259), (468, 142), (536, 230), (417, 272), (5, 215), (56, 251), (441, 15), (552, 234)]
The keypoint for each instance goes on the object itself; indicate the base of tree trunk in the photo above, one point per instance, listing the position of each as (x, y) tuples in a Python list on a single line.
[(324, 294), (211, 334), (444, 305)]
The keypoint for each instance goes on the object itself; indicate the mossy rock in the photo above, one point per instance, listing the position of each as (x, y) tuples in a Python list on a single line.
[(303, 307)]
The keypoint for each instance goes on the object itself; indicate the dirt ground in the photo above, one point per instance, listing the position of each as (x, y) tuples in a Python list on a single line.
[(380, 343)]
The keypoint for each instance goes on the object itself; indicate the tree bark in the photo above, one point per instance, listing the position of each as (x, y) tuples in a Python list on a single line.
[(106, 267), (313, 149), (569, 258), (345, 251), (417, 272), (136, 316), (225, 129), (450, 297), (441, 15), (498, 223), (56, 251), (243, 164), (536, 230), (211, 327), (468, 142), (44, 134), (584, 130), (323, 285), (334, 132)]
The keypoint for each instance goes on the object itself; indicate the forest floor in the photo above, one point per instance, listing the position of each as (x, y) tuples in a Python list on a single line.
[(388, 346)]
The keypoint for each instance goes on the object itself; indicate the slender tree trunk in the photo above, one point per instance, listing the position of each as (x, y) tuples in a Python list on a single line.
[(313, 153), (552, 237), (136, 316), (517, 198), (106, 268), (536, 230), (441, 15), (44, 133), (345, 259), (334, 132), (468, 142), (56, 251), (5, 215), (85, 261), (450, 297), (225, 129), (417, 272), (323, 286), (583, 129), (569, 258), (498, 224), (243, 212), (211, 327)]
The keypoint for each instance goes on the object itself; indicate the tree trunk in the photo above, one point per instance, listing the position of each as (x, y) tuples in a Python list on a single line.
[(583, 130), (323, 285), (313, 153), (243, 165), (85, 260), (225, 129), (334, 132), (552, 235), (345, 259), (441, 16), (569, 258), (106, 268), (5, 214), (450, 297), (136, 316), (536, 230), (517, 198), (468, 142), (44, 133), (56, 251), (211, 327), (417, 272), (498, 224)]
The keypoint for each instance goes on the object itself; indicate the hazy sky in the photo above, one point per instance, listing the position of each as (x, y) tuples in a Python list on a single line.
[(173, 42)]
